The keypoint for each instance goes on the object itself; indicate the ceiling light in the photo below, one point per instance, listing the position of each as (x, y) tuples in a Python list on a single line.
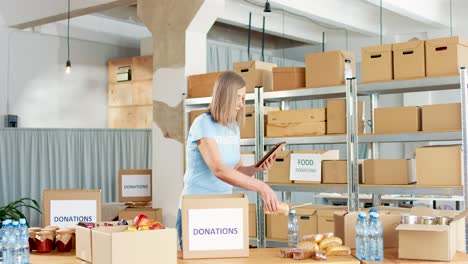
[(68, 64), (267, 7)]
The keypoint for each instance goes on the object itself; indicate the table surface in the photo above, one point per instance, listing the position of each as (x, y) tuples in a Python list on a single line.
[(260, 256)]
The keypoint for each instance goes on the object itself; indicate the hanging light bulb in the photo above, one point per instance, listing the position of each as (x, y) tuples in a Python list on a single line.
[(267, 7), (68, 64), (68, 67)]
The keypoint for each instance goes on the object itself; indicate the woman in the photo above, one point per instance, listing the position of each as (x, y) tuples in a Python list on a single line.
[(213, 148)]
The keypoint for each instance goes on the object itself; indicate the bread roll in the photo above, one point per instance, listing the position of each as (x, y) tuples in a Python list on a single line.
[(303, 254), (331, 241), (316, 238), (320, 255), (307, 245), (327, 235), (283, 209), (338, 251)]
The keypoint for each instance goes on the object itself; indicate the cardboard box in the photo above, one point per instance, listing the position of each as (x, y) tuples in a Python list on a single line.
[(247, 128), (439, 165), (445, 56), (389, 171), (83, 238), (66, 207), (409, 60), (377, 63), (152, 213), (336, 116), (215, 226), (297, 116), (194, 114), (114, 246), (288, 78), (277, 225), (345, 226), (135, 185), (441, 242), (279, 172), (252, 220), (326, 220), (397, 119), (335, 172), (327, 68), (201, 85), (256, 73), (296, 129), (441, 117)]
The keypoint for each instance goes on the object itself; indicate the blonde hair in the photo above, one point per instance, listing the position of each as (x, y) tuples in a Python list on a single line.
[(223, 103)]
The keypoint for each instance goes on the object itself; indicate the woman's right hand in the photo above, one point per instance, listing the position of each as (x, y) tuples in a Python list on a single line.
[(269, 198)]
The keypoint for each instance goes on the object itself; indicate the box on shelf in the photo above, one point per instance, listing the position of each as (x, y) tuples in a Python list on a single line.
[(247, 128), (201, 85), (112, 246), (135, 185), (441, 117), (397, 120), (301, 163), (252, 220), (335, 172), (304, 122), (288, 78), (215, 226), (389, 172), (439, 165), (83, 238), (336, 116), (277, 225), (345, 226), (445, 56), (327, 68), (130, 213), (325, 218), (256, 73), (377, 63), (409, 60), (66, 207), (441, 242), (194, 114)]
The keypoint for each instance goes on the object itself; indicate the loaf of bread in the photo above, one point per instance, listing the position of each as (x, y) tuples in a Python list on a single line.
[(287, 252), (302, 254), (283, 209), (331, 241), (320, 255), (338, 251), (315, 238), (307, 245)]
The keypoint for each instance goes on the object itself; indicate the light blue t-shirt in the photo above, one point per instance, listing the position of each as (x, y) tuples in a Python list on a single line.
[(198, 177)]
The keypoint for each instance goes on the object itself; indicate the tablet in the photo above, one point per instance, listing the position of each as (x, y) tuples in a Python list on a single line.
[(272, 151)]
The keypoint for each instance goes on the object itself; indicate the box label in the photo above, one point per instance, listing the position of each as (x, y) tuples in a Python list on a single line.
[(67, 213), (248, 159), (305, 167), (216, 229), (136, 185)]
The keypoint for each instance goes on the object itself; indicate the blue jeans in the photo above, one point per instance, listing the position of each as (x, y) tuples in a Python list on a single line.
[(179, 228)]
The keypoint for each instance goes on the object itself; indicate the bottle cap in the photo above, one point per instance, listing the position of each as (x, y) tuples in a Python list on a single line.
[(8, 221), (362, 214), (15, 223), (22, 221), (373, 209), (374, 215), (292, 212)]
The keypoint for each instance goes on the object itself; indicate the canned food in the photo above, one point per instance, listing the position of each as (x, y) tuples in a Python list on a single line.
[(428, 220), (408, 219), (443, 220)]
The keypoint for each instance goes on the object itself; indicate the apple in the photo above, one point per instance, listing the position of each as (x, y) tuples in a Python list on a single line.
[(156, 225), (143, 228), (142, 220)]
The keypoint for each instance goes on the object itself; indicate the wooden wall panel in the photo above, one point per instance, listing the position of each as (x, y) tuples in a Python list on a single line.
[(143, 92), (142, 69), (121, 94)]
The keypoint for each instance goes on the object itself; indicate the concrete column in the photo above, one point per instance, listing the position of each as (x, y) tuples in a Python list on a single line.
[(179, 31)]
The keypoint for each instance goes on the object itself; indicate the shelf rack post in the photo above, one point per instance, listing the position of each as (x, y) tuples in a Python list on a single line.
[(464, 113), (259, 149), (375, 148), (352, 144)]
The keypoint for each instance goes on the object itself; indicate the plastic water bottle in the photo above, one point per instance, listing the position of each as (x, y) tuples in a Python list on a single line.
[(376, 239), (5, 239), (23, 240), (362, 237), (293, 229), (15, 246)]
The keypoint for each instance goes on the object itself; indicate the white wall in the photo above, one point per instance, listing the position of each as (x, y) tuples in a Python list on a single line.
[(40, 92)]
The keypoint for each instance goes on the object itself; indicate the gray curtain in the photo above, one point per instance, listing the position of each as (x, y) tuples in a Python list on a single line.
[(32, 160)]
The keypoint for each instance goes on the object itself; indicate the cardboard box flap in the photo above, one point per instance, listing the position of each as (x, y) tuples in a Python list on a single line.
[(460, 216), (213, 196), (423, 228), (305, 210), (109, 229), (444, 42), (288, 69), (407, 46), (373, 50)]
